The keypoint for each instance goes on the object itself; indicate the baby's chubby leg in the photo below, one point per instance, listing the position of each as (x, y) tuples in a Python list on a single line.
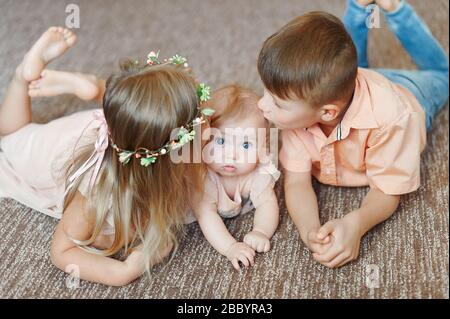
[(15, 111)]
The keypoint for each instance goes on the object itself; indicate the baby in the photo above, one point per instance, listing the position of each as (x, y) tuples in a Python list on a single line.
[(240, 176)]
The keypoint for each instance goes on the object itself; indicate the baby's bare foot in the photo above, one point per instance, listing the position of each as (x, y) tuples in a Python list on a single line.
[(258, 241), (54, 83), (52, 43)]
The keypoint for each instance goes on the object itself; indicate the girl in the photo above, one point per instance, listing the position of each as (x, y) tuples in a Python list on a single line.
[(240, 176), (120, 189)]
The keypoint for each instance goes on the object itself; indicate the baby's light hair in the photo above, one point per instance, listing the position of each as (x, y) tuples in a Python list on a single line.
[(233, 102), (236, 102)]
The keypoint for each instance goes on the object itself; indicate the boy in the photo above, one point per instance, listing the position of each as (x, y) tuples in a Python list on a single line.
[(346, 125)]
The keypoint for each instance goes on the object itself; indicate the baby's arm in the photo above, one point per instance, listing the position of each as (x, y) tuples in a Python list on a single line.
[(219, 237), (92, 267), (265, 222)]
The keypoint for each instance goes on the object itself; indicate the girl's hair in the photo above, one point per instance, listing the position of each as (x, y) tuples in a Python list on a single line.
[(142, 105)]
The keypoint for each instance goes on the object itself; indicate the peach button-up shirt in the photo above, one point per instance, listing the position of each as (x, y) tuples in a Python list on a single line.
[(377, 143)]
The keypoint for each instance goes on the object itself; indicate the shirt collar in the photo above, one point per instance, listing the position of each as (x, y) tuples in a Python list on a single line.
[(359, 114)]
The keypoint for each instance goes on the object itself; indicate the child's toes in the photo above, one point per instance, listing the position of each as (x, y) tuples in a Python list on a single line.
[(365, 3), (69, 36), (34, 92), (68, 33), (33, 87)]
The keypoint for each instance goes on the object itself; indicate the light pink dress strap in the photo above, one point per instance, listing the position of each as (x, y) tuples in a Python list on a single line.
[(96, 159)]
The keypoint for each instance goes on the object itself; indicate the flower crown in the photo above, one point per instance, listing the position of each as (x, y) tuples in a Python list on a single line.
[(186, 132)]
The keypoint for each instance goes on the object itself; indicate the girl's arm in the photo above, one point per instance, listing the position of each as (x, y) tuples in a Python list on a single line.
[(92, 267)]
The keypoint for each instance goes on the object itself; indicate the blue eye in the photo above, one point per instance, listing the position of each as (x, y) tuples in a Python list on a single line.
[(220, 140), (246, 145)]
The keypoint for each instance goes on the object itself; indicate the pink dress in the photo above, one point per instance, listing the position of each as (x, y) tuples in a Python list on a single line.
[(247, 194), (32, 161)]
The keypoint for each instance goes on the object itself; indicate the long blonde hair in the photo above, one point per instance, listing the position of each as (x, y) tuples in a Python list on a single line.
[(142, 106)]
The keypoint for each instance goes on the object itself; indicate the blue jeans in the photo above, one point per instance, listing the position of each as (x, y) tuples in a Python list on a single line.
[(429, 83)]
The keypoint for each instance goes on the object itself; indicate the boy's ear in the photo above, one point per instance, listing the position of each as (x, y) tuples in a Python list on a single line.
[(329, 112)]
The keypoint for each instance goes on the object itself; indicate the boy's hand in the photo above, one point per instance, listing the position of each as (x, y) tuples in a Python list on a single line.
[(315, 244), (258, 241), (240, 252), (344, 246)]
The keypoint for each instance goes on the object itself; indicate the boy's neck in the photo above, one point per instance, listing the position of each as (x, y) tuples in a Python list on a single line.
[(328, 128)]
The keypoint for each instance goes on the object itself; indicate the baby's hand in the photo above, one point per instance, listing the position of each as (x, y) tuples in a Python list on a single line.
[(240, 252), (258, 241)]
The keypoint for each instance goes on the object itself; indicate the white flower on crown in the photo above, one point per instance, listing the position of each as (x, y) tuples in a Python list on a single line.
[(152, 57)]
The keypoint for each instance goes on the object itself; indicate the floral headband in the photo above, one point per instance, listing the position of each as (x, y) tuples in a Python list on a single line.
[(186, 133)]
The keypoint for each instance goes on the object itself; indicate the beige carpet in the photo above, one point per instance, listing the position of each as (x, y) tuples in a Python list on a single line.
[(222, 40)]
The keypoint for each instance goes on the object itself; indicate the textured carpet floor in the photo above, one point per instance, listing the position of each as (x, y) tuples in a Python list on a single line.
[(222, 40)]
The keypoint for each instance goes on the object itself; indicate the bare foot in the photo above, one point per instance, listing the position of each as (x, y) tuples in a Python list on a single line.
[(52, 83), (52, 43), (388, 5), (364, 3)]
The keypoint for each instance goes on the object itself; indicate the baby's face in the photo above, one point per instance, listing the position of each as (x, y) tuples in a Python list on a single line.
[(235, 146), (287, 114)]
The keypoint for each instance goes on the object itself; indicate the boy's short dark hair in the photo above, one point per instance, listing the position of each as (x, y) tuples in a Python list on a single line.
[(312, 58)]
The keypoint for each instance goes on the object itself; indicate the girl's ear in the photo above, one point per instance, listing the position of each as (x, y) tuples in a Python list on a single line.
[(329, 112)]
